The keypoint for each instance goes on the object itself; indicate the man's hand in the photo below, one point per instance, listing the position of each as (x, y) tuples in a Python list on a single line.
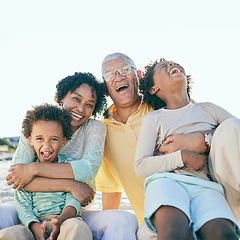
[(193, 142), (82, 192), (193, 160), (20, 176), (38, 230)]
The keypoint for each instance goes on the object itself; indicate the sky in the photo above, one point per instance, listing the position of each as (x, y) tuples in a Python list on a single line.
[(42, 42)]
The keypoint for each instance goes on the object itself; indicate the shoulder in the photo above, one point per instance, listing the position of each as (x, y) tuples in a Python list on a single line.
[(206, 105), (153, 114), (96, 125), (152, 117)]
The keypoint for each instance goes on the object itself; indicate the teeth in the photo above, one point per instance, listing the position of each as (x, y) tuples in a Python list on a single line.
[(46, 155), (119, 87), (76, 115), (175, 70)]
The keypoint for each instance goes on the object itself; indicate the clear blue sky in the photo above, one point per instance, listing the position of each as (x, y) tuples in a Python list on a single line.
[(43, 41)]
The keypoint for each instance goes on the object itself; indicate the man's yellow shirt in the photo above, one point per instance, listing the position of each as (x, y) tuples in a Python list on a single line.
[(117, 170)]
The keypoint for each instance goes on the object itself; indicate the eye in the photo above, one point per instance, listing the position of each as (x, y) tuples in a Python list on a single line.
[(109, 75), (38, 138), (54, 139), (89, 105), (125, 70), (76, 99)]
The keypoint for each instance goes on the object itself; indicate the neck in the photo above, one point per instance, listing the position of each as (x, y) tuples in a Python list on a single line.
[(177, 102), (123, 113)]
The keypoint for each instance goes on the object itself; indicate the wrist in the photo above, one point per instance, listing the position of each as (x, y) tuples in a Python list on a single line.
[(34, 169), (207, 140), (67, 185), (33, 225)]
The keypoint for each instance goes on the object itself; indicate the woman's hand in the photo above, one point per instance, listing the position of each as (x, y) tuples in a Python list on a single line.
[(82, 192), (20, 176), (193, 142)]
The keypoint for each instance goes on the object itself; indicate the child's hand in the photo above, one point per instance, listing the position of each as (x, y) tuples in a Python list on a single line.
[(55, 229), (192, 142), (193, 160), (38, 230)]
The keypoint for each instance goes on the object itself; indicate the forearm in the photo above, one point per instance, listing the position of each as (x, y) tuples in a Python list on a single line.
[(68, 212), (53, 170), (41, 184), (111, 200)]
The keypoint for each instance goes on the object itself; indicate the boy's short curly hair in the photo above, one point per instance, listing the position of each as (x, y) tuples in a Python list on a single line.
[(47, 112), (146, 82), (73, 82)]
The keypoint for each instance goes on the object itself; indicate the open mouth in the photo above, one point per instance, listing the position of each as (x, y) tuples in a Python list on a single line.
[(121, 88), (46, 155), (76, 116), (175, 70)]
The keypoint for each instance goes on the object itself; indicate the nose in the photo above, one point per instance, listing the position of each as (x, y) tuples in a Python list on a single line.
[(46, 146), (171, 64), (80, 107)]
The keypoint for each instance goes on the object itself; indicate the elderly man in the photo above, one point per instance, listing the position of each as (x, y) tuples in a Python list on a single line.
[(123, 125)]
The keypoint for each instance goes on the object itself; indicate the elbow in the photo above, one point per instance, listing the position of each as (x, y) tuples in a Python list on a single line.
[(138, 169)]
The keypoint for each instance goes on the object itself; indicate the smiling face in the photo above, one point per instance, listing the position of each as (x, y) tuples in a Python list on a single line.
[(124, 88), (168, 77), (47, 139), (80, 104)]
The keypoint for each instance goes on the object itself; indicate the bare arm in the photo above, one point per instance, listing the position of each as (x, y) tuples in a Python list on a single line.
[(111, 200), (81, 191), (22, 174), (193, 142)]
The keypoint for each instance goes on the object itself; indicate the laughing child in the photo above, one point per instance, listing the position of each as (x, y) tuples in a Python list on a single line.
[(180, 198), (47, 215)]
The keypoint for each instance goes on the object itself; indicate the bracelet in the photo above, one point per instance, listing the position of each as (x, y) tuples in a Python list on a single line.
[(207, 140)]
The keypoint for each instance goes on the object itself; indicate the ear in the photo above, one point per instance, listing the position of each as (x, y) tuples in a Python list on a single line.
[(64, 142), (30, 141), (154, 90)]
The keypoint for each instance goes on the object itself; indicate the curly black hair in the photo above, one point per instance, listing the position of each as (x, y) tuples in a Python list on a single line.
[(146, 82), (47, 112), (73, 82)]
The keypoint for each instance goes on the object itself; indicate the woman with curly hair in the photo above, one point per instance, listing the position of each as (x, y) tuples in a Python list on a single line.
[(81, 95), (180, 196)]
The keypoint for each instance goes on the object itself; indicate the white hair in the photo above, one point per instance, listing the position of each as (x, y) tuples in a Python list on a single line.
[(113, 56)]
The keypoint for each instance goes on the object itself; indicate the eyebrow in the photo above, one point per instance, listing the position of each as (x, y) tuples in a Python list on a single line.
[(82, 96), (42, 136)]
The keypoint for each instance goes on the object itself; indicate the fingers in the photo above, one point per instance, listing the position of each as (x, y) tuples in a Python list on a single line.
[(13, 167), (8, 177), (55, 229), (19, 186), (168, 140), (16, 186), (44, 226)]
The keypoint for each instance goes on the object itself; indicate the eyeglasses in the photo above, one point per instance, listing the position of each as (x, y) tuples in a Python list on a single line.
[(124, 70)]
